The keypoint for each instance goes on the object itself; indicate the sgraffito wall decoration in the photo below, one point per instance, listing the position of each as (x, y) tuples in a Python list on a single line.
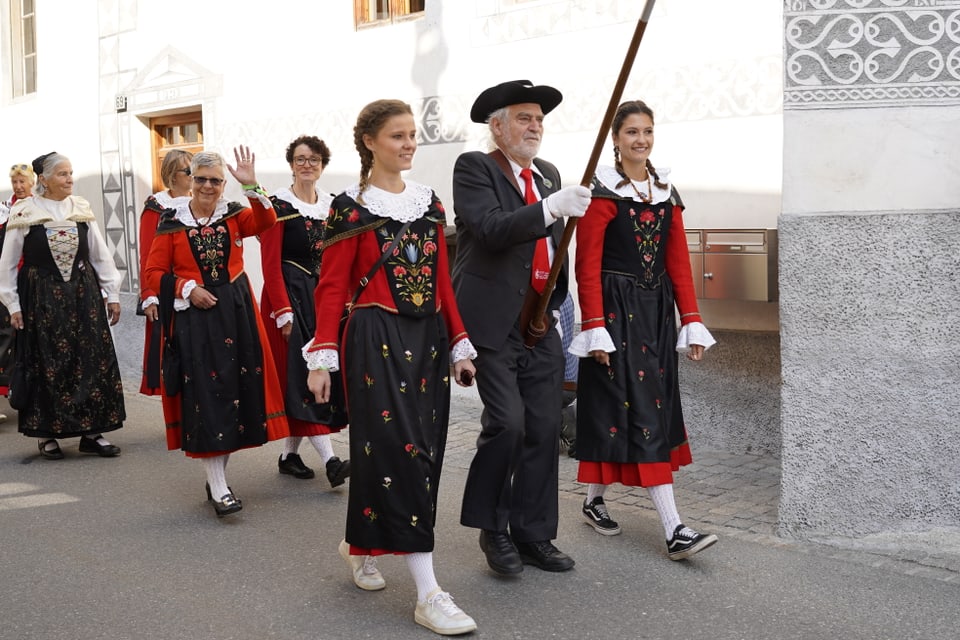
[(871, 53)]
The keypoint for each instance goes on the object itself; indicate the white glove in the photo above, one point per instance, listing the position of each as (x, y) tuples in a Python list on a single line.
[(568, 202)]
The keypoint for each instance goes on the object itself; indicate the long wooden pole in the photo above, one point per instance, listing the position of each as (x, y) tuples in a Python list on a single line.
[(538, 324)]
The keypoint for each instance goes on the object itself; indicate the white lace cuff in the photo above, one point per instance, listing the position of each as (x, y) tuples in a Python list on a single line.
[(591, 340), (321, 359), (183, 303), (284, 318), (463, 350), (258, 194), (694, 333), (149, 301)]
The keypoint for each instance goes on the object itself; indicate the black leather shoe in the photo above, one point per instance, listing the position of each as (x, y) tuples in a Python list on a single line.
[(337, 471), (230, 489), (226, 505), (293, 466), (544, 556), (501, 555), (98, 446), (50, 454)]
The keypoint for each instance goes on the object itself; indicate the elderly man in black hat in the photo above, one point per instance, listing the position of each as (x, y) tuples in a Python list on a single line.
[(509, 217)]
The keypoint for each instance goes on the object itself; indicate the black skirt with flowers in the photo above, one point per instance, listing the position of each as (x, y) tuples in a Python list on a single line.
[(68, 348), (399, 402)]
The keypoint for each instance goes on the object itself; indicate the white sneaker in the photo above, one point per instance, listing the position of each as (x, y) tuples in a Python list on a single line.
[(441, 615), (364, 569)]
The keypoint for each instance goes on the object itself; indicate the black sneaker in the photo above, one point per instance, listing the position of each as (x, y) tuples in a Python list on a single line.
[(597, 517), (686, 542)]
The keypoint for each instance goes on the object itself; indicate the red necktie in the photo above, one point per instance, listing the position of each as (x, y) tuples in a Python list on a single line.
[(541, 259)]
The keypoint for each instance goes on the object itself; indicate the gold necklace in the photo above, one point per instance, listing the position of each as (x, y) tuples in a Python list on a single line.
[(643, 198)]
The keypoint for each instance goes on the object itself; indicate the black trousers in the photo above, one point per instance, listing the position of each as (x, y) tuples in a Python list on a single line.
[(513, 477)]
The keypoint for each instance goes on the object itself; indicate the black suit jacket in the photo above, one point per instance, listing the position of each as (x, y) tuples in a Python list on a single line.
[(496, 237)]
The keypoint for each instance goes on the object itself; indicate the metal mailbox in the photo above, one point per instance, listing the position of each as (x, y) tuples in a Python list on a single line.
[(735, 264)]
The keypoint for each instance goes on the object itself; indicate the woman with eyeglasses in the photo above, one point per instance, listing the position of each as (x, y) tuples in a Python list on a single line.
[(22, 179), (72, 382), (175, 174), (221, 392), (290, 255)]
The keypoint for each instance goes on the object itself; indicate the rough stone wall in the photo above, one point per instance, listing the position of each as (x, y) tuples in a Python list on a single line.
[(871, 372)]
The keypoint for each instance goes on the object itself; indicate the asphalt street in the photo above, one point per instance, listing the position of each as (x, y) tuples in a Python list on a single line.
[(128, 548)]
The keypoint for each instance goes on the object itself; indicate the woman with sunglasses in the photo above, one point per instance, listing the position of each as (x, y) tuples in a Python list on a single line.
[(22, 179), (223, 395), (71, 379), (290, 255), (175, 174)]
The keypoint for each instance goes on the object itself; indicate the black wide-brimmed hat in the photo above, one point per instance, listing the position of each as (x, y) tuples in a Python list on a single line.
[(514, 92)]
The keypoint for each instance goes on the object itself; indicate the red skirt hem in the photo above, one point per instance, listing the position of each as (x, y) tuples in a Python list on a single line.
[(360, 551), (634, 474)]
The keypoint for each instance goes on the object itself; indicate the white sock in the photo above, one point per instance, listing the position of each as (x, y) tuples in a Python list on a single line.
[(98, 436), (51, 444), (595, 491), (323, 446), (662, 496), (216, 476), (290, 445), (421, 566)]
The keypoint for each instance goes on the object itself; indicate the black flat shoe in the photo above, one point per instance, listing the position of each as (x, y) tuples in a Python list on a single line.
[(293, 466), (50, 454), (230, 489), (501, 555), (226, 505), (98, 446), (337, 471), (544, 556)]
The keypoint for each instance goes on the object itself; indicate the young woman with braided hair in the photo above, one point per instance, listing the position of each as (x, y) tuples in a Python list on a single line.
[(633, 268), (394, 353)]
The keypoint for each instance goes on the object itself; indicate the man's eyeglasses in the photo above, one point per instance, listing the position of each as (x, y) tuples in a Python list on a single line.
[(312, 161), (214, 182)]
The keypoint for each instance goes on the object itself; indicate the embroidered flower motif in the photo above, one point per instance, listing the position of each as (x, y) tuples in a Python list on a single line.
[(368, 380), (367, 448), (408, 356), (403, 386), (386, 416), (385, 351), (353, 216), (646, 433), (228, 341), (423, 385), (659, 403), (611, 317), (413, 521), (369, 514), (386, 482), (399, 272), (433, 352), (640, 375), (610, 373), (411, 449), (429, 248), (613, 432)]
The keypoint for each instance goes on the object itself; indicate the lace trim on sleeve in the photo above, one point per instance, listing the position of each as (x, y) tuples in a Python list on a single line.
[(463, 350), (592, 340), (694, 333), (321, 358)]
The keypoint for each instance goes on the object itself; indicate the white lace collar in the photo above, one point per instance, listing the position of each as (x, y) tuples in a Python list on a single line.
[(185, 216), (609, 178), (405, 206), (317, 211), (165, 200)]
